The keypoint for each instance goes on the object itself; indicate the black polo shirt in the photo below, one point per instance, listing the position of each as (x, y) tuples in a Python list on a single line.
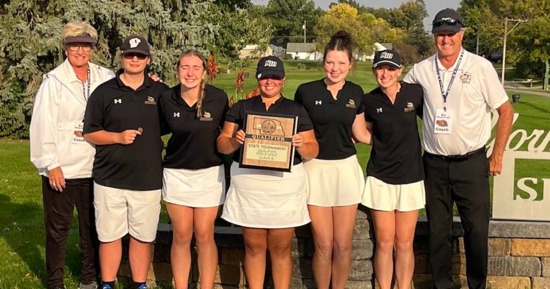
[(395, 157), (115, 107), (283, 106), (332, 118), (193, 142)]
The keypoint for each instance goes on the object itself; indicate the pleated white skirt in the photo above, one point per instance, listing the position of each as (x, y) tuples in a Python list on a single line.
[(266, 199)]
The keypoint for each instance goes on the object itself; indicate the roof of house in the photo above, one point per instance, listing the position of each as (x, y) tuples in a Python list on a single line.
[(300, 47)]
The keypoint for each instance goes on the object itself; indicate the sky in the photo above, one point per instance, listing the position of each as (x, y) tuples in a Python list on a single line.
[(433, 6)]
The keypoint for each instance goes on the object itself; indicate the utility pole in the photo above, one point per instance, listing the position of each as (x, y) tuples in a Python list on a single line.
[(506, 32), (304, 27), (477, 41)]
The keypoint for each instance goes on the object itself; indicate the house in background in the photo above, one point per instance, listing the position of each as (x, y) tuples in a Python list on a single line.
[(303, 51), (278, 51), (253, 51)]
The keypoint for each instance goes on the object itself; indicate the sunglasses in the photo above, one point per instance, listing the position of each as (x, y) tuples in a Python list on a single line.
[(270, 77), (84, 47), (132, 55), (446, 21)]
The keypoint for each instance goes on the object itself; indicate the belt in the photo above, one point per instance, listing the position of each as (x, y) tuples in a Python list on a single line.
[(457, 157)]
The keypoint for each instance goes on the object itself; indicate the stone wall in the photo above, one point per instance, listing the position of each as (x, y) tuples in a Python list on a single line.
[(519, 257)]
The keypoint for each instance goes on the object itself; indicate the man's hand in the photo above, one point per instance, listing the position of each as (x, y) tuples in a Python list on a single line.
[(495, 164)]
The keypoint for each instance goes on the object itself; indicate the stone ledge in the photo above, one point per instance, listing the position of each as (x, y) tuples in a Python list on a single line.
[(497, 229), (526, 230), (515, 266)]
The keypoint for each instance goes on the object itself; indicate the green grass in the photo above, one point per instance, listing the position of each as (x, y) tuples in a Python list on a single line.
[(21, 220)]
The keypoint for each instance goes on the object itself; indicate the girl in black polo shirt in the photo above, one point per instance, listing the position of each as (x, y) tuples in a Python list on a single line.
[(335, 177), (394, 189), (193, 178), (268, 204)]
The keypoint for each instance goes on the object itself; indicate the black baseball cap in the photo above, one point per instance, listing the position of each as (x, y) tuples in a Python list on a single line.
[(447, 20), (388, 56), (135, 44), (270, 66)]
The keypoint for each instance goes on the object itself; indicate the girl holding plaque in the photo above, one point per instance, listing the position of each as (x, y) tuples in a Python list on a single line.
[(268, 204), (336, 180), (193, 176)]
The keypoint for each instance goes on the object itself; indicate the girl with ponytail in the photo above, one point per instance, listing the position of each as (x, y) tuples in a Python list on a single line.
[(335, 178), (193, 178)]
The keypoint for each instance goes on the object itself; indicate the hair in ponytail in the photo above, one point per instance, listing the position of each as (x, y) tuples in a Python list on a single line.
[(340, 41), (193, 52)]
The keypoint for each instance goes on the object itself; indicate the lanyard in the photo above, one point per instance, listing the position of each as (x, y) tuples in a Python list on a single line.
[(443, 92), (86, 88)]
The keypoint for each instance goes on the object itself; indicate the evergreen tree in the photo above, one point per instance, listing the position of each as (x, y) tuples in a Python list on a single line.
[(30, 40)]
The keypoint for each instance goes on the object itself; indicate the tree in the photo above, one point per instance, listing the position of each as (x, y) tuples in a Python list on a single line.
[(365, 28), (534, 38), (408, 18), (287, 18), (484, 33), (30, 44), (527, 45), (234, 4), (238, 28), (360, 8), (30, 40)]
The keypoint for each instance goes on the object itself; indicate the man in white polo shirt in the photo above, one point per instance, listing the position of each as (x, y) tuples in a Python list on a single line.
[(460, 89)]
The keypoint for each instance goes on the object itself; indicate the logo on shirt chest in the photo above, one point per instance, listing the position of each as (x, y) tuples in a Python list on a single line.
[(150, 100), (206, 116), (379, 110), (176, 114), (351, 104), (118, 100), (318, 102), (466, 77), (409, 108)]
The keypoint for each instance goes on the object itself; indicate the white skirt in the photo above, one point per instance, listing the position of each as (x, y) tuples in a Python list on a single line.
[(381, 196), (334, 182), (201, 188), (266, 199)]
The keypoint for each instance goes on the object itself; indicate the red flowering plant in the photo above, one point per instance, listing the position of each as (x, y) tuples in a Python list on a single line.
[(252, 93), (241, 77), (213, 68)]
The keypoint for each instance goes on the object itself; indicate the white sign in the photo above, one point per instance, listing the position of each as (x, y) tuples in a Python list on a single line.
[(517, 195)]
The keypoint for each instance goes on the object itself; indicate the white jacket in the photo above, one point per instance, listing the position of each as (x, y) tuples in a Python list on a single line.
[(57, 119)]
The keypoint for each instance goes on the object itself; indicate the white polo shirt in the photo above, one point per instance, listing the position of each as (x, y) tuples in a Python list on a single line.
[(475, 91)]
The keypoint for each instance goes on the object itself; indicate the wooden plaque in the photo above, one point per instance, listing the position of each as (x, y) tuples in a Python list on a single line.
[(268, 141)]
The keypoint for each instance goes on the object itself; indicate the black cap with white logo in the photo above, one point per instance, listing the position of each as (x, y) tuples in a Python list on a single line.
[(389, 57), (270, 66), (447, 20), (135, 44)]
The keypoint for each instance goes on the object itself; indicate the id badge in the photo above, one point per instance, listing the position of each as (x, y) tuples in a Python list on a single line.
[(443, 121), (78, 137)]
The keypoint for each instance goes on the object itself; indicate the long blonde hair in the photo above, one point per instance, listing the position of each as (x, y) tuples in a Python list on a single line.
[(193, 52)]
